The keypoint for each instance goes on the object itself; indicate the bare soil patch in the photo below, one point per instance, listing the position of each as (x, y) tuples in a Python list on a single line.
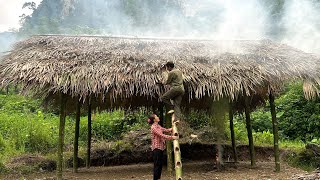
[(199, 170)]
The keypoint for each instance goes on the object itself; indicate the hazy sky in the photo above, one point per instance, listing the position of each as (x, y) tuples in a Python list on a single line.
[(10, 10)]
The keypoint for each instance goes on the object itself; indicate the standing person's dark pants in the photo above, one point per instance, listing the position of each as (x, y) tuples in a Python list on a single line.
[(157, 161), (175, 93)]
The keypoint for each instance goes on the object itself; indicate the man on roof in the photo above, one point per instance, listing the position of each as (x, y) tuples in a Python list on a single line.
[(173, 97)]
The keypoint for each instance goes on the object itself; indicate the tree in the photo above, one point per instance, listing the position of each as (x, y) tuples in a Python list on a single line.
[(29, 5)]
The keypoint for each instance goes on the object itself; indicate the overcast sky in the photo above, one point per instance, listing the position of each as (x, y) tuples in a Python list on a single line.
[(10, 10)]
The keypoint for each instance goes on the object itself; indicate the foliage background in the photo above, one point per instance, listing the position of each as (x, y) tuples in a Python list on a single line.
[(26, 127)]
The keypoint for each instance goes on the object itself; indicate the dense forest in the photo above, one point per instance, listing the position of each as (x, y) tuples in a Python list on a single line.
[(97, 17)]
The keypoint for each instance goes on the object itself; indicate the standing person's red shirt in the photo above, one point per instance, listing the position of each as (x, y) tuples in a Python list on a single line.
[(158, 138)]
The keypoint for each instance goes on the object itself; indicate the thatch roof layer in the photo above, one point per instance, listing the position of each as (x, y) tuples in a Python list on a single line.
[(125, 67)]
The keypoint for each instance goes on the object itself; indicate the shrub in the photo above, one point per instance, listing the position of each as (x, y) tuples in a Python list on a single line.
[(300, 118), (263, 138), (112, 124), (197, 119), (3, 168), (2, 144)]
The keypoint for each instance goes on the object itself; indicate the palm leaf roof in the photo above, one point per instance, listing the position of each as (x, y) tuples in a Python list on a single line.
[(126, 67)]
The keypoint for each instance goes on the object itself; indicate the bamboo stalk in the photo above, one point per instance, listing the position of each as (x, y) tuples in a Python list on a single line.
[(249, 130), (233, 141), (218, 114), (89, 135), (219, 159), (161, 113), (275, 132), (177, 152), (63, 101), (76, 138), (169, 147)]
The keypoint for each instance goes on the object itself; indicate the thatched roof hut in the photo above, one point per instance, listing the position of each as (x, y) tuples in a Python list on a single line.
[(121, 68), (124, 67)]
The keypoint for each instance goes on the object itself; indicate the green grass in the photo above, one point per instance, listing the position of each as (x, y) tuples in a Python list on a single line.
[(26, 128), (294, 145), (300, 157)]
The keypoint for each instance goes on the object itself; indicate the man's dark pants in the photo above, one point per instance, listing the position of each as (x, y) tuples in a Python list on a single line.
[(175, 94)]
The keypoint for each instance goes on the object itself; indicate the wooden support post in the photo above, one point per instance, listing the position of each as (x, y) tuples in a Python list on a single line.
[(89, 135), (176, 150), (249, 130), (63, 101), (76, 138), (275, 132), (233, 140)]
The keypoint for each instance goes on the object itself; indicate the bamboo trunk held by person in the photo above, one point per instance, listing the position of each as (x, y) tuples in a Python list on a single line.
[(177, 152)]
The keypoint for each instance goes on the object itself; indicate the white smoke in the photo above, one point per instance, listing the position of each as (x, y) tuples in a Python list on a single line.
[(214, 19), (230, 19), (301, 21), (202, 19)]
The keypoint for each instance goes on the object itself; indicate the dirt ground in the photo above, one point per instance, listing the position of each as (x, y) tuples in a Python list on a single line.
[(192, 170)]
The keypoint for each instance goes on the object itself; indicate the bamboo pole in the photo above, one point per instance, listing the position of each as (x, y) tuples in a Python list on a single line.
[(233, 141), (218, 113), (176, 150), (169, 147), (219, 150), (88, 161), (15, 88), (275, 132), (63, 101), (161, 113), (76, 138), (249, 130)]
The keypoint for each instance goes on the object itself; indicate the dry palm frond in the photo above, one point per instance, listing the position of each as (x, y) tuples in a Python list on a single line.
[(310, 90)]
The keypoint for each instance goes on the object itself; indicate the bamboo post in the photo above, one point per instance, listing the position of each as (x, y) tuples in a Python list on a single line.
[(89, 135), (233, 141), (63, 101), (76, 138), (176, 150), (15, 88), (219, 154), (218, 113), (161, 113), (275, 132), (249, 130), (169, 147)]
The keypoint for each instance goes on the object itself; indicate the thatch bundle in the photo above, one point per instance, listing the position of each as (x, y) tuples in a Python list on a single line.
[(126, 67)]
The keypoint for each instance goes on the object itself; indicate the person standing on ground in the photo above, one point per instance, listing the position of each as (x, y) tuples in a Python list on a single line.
[(174, 78), (158, 144)]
